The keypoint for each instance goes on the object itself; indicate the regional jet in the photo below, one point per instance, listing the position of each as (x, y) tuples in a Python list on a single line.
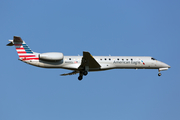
[(83, 64)]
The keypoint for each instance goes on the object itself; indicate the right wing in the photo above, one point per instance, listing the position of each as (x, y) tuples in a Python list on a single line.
[(72, 73)]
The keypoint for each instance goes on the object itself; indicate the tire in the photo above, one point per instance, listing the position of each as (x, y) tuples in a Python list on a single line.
[(159, 74), (85, 73), (80, 78)]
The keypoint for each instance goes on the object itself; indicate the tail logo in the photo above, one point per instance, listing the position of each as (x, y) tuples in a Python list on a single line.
[(25, 53)]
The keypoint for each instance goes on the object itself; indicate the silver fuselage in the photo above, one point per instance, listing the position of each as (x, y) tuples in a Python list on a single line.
[(106, 63)]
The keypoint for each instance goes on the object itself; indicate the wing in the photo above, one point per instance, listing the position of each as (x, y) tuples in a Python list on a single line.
[(89, 61), (72, 73)]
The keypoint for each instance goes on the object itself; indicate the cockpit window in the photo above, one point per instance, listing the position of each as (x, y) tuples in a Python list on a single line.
[(153, 59)]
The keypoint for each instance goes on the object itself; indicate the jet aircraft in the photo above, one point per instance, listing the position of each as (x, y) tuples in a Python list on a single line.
[(83, 64)]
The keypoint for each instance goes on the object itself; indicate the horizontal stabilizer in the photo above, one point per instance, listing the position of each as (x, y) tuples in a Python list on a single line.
[(15, 40), (11, 43)]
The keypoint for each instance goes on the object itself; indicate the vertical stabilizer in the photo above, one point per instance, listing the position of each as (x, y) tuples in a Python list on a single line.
[(24, 52)]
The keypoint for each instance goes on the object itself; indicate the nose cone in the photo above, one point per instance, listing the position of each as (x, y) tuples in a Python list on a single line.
[(164, 65)]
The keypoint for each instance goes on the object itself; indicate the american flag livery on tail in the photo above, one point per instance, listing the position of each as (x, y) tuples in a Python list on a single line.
[(24, 52), (86, 63)]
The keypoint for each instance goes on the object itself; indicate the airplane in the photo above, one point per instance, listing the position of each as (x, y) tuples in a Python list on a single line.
[(83, 64)]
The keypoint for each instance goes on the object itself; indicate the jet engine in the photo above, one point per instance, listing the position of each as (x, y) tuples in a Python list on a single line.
[(51, 56)]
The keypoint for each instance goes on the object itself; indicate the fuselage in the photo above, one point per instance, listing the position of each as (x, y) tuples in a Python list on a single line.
[(106, 62)]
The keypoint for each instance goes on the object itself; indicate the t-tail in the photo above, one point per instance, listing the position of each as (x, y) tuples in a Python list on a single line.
[(24, 52)]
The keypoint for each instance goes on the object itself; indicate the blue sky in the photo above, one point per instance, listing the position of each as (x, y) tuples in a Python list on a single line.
[(102, 27)]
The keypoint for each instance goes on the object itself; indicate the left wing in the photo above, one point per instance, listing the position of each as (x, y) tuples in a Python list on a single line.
[(89, 61)]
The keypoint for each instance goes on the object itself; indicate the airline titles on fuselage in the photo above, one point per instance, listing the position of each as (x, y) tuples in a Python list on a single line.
[(127, 62), (115, 62)]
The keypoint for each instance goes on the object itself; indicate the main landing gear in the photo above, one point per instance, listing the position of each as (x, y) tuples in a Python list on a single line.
[(81, 73), (80, 77), (85, 73)]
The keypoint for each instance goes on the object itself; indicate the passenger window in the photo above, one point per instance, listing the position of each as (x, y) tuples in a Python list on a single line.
[(131, 59), (69, 58), (118, 59), (122, 59), (104, 58), (101, 59), (127, 59), (109, 58)]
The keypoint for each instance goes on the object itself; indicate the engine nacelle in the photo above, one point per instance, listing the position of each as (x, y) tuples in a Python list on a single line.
[(51, 56)]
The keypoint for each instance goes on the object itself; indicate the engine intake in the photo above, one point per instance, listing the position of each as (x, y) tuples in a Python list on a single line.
[(51, 56)]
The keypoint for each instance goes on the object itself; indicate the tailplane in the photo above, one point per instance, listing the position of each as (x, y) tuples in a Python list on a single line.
[(24, 52)]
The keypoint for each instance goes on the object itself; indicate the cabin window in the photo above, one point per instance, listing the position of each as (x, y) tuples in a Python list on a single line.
[(122, 59), (101, 59), (127, 59), (109, 58), (118, 59), (69, 58), (104, 58), (131, 59)]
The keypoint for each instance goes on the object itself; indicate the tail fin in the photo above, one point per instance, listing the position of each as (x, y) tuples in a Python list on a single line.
[(24, 52)]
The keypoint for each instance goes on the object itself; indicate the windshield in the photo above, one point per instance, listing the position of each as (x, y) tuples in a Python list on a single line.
[(153, 59)]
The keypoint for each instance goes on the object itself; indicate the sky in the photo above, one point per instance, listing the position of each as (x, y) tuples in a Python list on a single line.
[(102, 27)]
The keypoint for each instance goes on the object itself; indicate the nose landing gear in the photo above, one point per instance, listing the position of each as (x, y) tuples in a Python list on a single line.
[(159, 74)]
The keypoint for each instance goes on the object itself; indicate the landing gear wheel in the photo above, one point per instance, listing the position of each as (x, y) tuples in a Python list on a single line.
[(80, 77), (85, 73), (159, 74)]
